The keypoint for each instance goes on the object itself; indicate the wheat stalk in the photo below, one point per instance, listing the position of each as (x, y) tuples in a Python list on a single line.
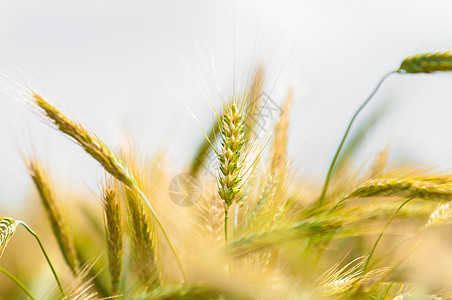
[(419, 63), (115, 232), (341, 144), (427, 63), (59, 227), (18, 283), (103, 154)]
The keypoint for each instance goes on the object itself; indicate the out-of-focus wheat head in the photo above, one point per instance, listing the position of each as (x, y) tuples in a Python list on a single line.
[(54, 214), (143, 233), (114, 226), (427, 62), (7, 229)]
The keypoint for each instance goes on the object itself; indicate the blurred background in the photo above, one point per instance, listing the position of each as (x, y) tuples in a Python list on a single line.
[(133, 67)]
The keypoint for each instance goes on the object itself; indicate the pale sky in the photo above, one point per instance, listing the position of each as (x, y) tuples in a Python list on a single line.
[(117, 66)]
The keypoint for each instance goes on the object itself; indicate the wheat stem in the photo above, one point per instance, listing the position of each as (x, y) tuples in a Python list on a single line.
[(45, 254), (226, 217), (382, 232), (333, 163), (17, 281)]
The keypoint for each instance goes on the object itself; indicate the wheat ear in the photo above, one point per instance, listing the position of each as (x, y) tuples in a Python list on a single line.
[(53, 211), (232, 133), (279, 145), (252, 98), (427, 63), (7, 228), (114, 229), (278, 160), (404, 187), (103, 154), (440, 215), (144, 241)]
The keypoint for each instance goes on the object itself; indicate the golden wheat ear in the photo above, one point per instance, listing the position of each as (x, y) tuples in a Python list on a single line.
[(427, 63), (54, 214), (403, 187), (114, 226)]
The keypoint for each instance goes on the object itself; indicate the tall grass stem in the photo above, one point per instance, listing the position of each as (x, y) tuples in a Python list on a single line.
[(17, 281), (333, 163), (382, 232), (45, 254)]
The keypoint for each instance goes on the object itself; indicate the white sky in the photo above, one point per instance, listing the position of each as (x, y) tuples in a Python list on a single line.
[(106, 62)]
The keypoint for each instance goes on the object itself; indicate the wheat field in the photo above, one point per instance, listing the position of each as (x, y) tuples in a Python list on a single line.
[(238, 222)]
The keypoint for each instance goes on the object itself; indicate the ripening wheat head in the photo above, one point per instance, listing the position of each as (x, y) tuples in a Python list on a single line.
[(54, 214), (404, 187), (114, 226), (233, 138), (90, 142), (427, 62)]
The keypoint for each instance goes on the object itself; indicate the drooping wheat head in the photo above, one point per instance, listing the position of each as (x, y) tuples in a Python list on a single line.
[(7, 229), (59, 226), (104, 155), (427, 62), (404, 187), (114, 226), (87, 140)]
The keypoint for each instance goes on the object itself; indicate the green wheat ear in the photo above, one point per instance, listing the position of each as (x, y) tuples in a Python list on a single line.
[(229, 159), (427, 63), (7, 228), (232, 133)]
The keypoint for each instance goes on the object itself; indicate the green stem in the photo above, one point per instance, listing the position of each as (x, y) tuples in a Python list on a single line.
[(382, 232), (17, 281), (45, 254), (386, 291), (226, 213), (157, 219), (333, 163)]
